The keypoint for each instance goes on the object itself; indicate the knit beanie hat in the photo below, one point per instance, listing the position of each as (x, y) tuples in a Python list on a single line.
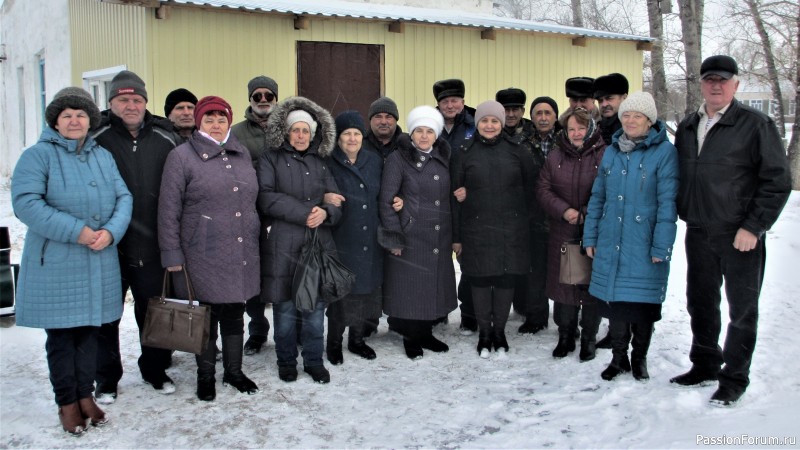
[(425, 116), (383, 105), (579, 87), (262, 82), (611, 84), (126, 82), (642, 102), (511, 97), (299, 115), (347, 120), (210, 104), (74, 98), (177, 96), (490, 108), (547, 100), (448, 88)]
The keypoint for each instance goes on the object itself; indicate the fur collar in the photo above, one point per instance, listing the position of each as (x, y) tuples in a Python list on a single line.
[(324, 139)]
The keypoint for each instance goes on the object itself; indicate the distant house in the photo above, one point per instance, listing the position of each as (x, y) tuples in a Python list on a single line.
[(341, 54), (757, 93)]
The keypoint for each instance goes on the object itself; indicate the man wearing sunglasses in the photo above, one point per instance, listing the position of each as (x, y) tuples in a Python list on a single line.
[(263, 94)]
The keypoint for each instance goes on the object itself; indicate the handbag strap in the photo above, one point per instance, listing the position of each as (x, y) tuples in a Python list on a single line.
[(189, 287)]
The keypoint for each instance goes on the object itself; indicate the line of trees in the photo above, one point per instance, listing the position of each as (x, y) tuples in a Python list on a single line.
[(762, 35)]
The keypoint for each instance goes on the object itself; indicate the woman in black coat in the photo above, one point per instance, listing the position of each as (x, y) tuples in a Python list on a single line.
[(491, 224), (419, 278), (358, 176), (293, 179)]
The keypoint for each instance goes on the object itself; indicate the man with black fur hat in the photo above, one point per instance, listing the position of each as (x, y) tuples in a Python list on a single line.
[(383, 130), (262, 91), (179, 108), (459, 122), (579, 91), (140, 143), (513, 100), (609, 91)]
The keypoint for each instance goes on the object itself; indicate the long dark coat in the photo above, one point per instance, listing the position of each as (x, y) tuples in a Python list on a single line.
[(566, 182), (356, 234), (493, 223), (291, 183), (420, 284), (207, 219)]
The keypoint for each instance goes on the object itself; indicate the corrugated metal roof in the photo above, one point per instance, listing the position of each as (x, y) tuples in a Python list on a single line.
[(333, 8)]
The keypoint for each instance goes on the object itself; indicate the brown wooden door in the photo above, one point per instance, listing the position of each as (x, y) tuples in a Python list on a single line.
[(340, 76)]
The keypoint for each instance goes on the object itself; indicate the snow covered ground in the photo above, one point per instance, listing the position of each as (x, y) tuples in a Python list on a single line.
[(451, 400)]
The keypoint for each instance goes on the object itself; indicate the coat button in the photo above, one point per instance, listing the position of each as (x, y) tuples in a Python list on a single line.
[(96, 217), (638, 218), (222, 152), (364, 207), (365, 248), (437, 227), (619, 218), (225, 158), (437, 203), (436, 251), (205, 155), (624, 172), (419, 164), (619, 197), (228, 166), (436, 177), (422, 158), (666, 257), (308, 173), (238, 214), (364, 228), (236, 189), (361, 185), (240, 239), (616, 248), (93, 183), (244, 263)]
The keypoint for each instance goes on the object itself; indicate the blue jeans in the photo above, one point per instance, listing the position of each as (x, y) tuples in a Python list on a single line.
[(284, 319)]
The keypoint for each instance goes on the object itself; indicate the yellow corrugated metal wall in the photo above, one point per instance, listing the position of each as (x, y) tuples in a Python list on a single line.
[(216, 51)]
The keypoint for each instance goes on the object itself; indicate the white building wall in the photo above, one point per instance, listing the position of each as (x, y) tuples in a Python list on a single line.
[(30, 29)]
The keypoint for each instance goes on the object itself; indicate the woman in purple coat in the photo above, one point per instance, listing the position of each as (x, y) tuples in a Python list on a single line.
[(207, 224), (565, 184)]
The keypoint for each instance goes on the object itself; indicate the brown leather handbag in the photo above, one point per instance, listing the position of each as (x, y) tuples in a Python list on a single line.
[(173, 324)]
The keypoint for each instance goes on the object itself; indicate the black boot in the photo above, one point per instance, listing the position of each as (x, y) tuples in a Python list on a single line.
[(605, 342), (428, 340), (501, 308), (499, 340), (409, 329), (642, 334), (590, 322), (356, 344), (568, 323), (484, 342), (206, 367), (232, 363), (620, 337)]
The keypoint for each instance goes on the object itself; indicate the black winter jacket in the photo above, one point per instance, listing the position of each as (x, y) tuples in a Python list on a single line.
[(741, 177), (463, 129), (140, 161)]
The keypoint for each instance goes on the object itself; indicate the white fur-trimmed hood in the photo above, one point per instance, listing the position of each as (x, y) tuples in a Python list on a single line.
[(325, 137)]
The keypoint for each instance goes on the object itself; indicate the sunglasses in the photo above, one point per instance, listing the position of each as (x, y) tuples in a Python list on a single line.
[(269, 96)]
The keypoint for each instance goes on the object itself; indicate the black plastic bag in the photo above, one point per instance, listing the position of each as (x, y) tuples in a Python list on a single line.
[(319, 274)]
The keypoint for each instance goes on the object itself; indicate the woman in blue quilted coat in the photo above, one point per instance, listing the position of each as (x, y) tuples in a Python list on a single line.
[(69, 193), (630, 230)]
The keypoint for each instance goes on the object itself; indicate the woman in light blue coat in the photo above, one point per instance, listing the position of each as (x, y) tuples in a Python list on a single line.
[(630, 230), (69, 193)]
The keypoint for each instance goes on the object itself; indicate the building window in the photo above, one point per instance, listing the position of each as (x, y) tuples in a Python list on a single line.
[(42, 88), (756, 104), (97, 81), (21, 97)]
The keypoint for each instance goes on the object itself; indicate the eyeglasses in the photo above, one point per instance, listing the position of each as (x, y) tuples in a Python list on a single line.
[(269, 96)]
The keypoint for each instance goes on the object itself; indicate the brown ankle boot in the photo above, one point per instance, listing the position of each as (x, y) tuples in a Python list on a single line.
[(90, 409), (71, 419)]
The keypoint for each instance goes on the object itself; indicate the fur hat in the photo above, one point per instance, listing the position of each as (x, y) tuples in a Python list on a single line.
[(177, 96), (491, 108), (547, 100), (210, 104), (511, 97), (642, 102), (126, 82), (448, 88), (298, 115), (426, 116), (74, 98), (262, 82), (349, 119), (383, 105), (611, 84), (579, 87)]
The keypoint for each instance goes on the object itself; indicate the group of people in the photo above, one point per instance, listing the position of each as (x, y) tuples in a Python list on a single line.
[(113, 199)]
